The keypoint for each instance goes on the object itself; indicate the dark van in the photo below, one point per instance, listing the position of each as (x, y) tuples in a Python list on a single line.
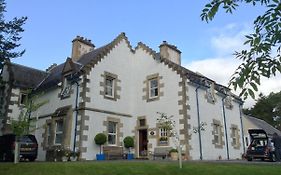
[(28, 147), (260, 147)]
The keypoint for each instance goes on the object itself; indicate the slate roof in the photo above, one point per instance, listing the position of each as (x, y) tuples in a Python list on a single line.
[(25, 77), (269, 129)]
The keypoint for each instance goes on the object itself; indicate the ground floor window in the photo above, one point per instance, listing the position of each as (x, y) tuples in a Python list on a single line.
[(59, 132), (112, 133)]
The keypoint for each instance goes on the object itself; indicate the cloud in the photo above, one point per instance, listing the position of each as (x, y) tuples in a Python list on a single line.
[(229, 39), (219, 68)]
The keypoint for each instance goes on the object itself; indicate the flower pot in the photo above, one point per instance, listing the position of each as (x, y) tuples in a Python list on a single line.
[(130, 156), (100, 156), (174, 155)]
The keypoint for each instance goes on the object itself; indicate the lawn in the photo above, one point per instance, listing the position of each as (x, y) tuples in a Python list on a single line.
[(137, 167)]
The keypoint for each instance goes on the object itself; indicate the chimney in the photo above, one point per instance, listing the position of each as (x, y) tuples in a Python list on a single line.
[(170, 52), (81, 46)]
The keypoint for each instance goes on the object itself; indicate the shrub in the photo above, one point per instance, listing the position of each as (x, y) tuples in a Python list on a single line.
[(100, 139), (128, 142), (173, 150)]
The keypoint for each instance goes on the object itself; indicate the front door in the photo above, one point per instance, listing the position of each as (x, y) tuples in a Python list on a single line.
[(143, 142)]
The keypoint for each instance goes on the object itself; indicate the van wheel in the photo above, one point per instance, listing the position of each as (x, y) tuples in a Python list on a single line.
[(31, 159), (249, 158)]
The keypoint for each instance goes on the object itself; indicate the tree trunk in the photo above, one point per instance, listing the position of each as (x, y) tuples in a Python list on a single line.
[(16, 152)]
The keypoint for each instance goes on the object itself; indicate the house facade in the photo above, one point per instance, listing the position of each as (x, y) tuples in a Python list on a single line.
[(118, 90)]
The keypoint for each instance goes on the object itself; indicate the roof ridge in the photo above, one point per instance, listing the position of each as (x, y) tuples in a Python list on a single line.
[(12, 63)]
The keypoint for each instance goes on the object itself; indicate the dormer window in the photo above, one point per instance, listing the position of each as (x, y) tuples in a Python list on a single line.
[(66, 88), (23, 98), (210, 94)]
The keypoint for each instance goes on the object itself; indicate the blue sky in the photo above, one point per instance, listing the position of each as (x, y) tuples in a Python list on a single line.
[(52, 24)]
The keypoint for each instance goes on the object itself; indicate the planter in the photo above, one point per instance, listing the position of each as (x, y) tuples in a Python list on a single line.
[(174, 155), (130, 156), (100, 156)]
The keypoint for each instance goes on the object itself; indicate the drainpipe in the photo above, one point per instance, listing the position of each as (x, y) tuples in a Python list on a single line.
[(225, 128), (198, 119), (242, 127), (76, 113)]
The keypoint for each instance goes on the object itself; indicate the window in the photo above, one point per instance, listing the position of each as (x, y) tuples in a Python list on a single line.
[(163, 135), (49, 142), (23, 98), (235, 136), (66, 88), (59, 132), (153, 88), (112, 134), (109, 86), (142, 122), (217, 134)]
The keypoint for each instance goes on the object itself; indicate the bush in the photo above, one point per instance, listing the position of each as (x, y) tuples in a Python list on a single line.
[(100, 139), (173, 150), (128, 142)]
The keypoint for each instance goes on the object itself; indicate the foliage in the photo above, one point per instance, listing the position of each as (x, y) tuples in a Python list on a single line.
[(100, 139), (262, 59), (140, 168), (165, 122), (22, 125), (163, 139), (173, 150), (9, 35), (267, 108), (128, 142)]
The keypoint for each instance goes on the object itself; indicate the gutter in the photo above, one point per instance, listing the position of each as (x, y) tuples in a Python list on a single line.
[(225, 128), (198, 119)]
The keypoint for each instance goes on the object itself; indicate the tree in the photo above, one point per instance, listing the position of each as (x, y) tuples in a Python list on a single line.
[(267, 108), (22, 125), (262, 59), (9, 36)]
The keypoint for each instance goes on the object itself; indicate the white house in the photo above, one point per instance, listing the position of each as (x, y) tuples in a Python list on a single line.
[(118, 90)]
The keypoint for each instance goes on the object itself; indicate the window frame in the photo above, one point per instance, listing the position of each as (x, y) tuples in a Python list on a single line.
[(151, 89), (217, 133), (49, 134), (112, 87), (58, 132), (114, 133), (21, 99)]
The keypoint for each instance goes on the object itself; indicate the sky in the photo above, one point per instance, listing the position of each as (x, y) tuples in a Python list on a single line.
[(206, 47)]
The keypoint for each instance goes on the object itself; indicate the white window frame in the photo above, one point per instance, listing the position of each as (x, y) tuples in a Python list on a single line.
[(109, 88), (58, 132), (114, 133), (217, 133), (152, 89)]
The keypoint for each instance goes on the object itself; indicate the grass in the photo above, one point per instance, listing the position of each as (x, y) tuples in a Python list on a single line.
[(137, 167)]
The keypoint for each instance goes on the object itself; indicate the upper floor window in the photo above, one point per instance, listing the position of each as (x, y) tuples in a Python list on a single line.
[(153, 88), (66, 88), (59, 132), (109, 86), (112, 133)]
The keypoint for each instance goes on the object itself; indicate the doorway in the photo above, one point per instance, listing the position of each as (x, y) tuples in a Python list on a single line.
[(143, 142)]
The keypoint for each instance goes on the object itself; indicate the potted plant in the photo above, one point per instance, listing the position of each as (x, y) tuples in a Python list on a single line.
[(174, 154), (163, 140), (129, 143), (100, 139), (65, 154)]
